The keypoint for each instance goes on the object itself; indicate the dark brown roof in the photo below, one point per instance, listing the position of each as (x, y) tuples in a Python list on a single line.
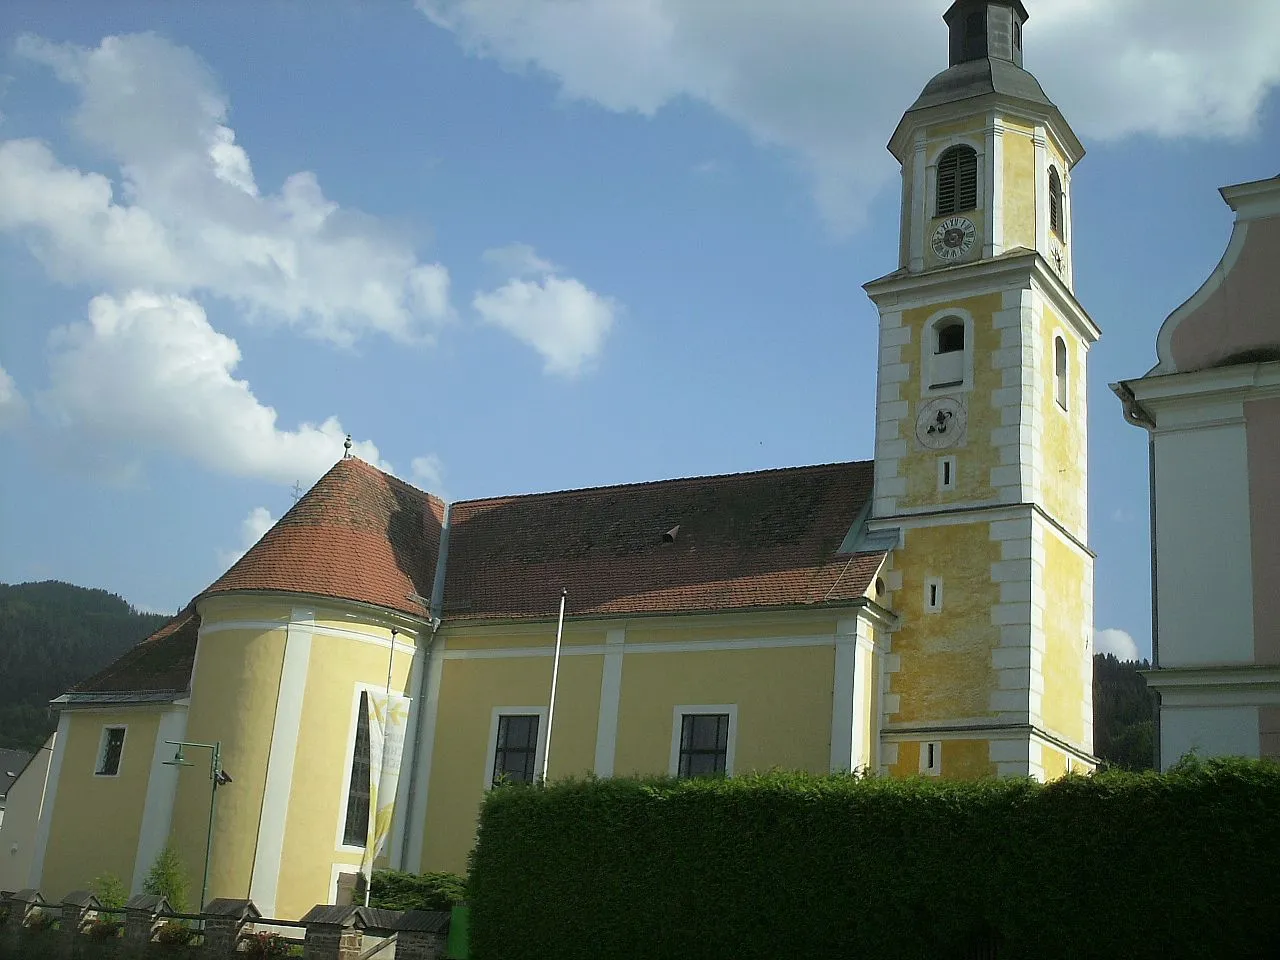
[(358, 534), (763, 539), (162, 662)]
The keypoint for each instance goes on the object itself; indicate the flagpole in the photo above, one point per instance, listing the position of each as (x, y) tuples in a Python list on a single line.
[(391, 659), (555, 675)]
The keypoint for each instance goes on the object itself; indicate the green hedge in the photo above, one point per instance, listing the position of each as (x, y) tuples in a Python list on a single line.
[(1185, 864), (416, 891)]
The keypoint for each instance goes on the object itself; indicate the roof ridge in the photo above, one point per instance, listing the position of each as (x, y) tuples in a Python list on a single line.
[(665, 481), (366, 465)]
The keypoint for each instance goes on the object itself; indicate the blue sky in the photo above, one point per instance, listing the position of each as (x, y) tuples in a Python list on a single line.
[(529, 245)]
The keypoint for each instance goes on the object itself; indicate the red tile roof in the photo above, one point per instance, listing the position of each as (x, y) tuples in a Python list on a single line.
[(358, 534), (748, 540), (765, 539), (163, 661)]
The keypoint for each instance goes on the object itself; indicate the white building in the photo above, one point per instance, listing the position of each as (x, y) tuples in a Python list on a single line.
[(1212, 409)]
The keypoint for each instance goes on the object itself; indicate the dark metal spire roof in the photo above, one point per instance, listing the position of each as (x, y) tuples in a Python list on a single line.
[(975, 78)]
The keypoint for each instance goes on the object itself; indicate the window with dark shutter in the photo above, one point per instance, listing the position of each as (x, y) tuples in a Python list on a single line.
[(704, 744), (957, 181), (356, 829), (110, 751), (1055, 203), (516, 752)]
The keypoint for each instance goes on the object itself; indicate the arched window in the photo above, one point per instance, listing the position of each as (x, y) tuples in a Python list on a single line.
[(1056, 218), (975, 36), (947, 365), (957, 181), (1060, 381)]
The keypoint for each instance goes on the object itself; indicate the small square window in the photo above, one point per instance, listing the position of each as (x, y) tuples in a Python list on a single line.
[(931, 758), (109, 752)]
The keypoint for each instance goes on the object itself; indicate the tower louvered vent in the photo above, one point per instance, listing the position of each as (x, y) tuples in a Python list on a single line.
[(957, 181)]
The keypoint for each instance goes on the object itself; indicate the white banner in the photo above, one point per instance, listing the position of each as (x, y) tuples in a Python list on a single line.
[(388, 718)]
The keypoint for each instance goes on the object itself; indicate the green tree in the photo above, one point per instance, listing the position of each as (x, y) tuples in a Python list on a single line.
[(168, 878), (109, 889)]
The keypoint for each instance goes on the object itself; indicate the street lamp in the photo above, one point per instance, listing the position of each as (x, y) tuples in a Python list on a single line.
[(217, 778)]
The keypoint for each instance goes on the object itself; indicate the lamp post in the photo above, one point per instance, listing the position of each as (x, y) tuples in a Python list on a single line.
[(218, 778)]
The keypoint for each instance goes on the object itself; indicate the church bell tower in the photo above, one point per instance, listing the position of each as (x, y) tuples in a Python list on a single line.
[(981, 427)]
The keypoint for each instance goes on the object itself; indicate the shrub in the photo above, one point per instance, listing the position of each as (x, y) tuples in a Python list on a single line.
[(1114, 865), (416, 891), (103, 929), (168, 878), (39, 919), (109, 890), (175, 932), (262, 945)]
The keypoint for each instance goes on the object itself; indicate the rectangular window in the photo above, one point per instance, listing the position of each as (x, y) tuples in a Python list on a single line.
[(947, 473), (515, 751), (704, 744), (356, 827), (933, 595), (109, 751), (931, 758)]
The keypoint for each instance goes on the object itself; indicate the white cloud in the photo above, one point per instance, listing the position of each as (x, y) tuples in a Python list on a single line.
[(1118, 643), (518, 260), (252, 528), (827, 80), (12, 407), (148, 373), (186, 214), (558, 316), (428, 473)]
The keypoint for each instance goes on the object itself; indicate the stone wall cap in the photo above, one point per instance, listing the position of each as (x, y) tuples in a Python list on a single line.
[(28, 896), (148, 902), (424, 921), (242, 909), (332, 915), (82, 899)]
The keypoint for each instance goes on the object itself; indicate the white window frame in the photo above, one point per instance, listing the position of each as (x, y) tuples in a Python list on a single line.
[(680, 711), (927, 341), (945, 485), (933, 600), (934, 769), (339, 846), (492, 752), (101, 755)]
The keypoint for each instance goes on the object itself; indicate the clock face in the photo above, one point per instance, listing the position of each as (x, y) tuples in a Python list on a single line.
[(941, 423), (954, 237), (1058, 257)]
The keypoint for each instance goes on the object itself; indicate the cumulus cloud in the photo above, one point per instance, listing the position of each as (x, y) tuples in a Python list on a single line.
[(12, 407), (185, 213), (147, 372), (826, 80), (252, 528), (558, 316), (428, 473), (1116, 642)]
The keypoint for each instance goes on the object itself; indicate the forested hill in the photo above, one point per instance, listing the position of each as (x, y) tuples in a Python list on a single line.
[(1124, 726), (53, 635)]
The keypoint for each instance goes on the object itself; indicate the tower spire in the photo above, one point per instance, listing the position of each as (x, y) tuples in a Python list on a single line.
[(982, 29)]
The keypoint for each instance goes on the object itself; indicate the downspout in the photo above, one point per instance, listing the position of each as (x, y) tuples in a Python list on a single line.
[(1139, 417), (435, 606)]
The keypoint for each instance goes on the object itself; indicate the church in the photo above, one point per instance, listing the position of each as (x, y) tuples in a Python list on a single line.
[(382, 656)]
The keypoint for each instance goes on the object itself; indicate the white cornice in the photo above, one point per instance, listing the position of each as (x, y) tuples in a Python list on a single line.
[(1019, 269), (1008, 107), (1205, 388), (1246, 676)]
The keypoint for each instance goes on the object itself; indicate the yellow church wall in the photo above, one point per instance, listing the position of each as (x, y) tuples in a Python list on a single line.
[(1053, 762), (470, 689), (1068, 672), (512, 636), (971, 127), (338, 668), (975, 456), (783, 699), (745, 627), (946, 670), (961, 760), (1019, 188), (1063, 440), (233, 700), (97, 820)]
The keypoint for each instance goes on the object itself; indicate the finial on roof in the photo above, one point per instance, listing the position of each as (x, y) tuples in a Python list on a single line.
[(347, 448)]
